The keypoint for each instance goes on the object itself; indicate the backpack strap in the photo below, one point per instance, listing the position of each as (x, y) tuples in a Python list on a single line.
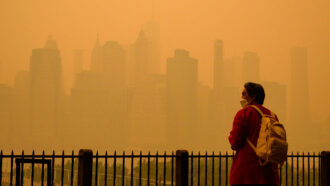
[(258, 110)]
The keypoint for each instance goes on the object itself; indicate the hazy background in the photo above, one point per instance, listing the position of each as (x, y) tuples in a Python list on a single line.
[(270, 28)]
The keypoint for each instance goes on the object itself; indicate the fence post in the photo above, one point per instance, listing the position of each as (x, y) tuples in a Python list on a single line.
[(325, 168), (181, 162), (85, 167)]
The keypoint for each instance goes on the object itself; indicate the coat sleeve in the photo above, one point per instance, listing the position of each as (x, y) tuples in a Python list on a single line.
[(238, 132)]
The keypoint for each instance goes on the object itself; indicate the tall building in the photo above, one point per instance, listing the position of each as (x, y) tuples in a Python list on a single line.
[(276, 99), (96, 61), (78, 61), (182, 75), (152, 32), (6, 117), (218, 66), (299, 96), (250, 67), (45, 89), (142, 58)]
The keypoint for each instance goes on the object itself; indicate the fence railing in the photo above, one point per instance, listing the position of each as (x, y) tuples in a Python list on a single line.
[(160, 169)]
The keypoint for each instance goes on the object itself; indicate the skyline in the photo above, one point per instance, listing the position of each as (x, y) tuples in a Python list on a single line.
[(116, 54)]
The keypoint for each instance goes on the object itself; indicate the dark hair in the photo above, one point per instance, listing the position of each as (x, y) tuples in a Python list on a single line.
[(255, 90)]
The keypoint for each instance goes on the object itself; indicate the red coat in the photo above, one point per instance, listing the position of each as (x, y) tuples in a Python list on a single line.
[(245, 168)]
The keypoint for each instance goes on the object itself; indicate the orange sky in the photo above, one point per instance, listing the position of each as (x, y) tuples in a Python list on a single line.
[(268, 27)]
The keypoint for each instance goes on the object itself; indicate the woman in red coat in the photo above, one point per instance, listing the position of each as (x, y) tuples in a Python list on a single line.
[(245, 168)]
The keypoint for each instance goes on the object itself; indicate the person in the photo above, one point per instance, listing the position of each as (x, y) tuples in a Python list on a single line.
[(246, 169)]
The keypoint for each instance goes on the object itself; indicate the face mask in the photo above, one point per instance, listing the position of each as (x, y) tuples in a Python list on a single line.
[(244, 103)]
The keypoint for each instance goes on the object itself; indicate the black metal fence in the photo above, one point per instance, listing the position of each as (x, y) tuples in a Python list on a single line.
[(145, 169)]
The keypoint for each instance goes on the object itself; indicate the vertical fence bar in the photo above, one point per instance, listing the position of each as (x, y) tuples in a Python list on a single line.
[(18, 182), (1, 168), (219, 168), (319, 168), (62, 169), (205, 169), (132, 163), (72, 168), (11, 167), (32, 168), (325, 168), (181, 168), (96, 167), (42, 168), (140, 169), (148, 172), (286, 172), (199, 168), (156, 169), (212, 168), (313, 168), (192, 169), (172, 169), (114, 168), (53, 168), (164, 169), (85, 167), (123, 170), (226, 168), (303, 169), (22, 170), (106, 169), (297, 168), (291, 168), (308, 169)]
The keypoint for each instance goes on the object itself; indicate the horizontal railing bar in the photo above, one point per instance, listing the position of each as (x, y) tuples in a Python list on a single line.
[(143, 156), (40, 156)]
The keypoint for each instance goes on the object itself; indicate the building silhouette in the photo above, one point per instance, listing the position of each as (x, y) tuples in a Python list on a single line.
[(276, 99), (96, 61), (142, 58), (6, 116), (250, 70), (152, 32), (78, 61), (299, 96), (45, 90), (182, 74)]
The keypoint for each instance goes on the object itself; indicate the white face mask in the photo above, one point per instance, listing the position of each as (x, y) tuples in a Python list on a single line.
[(244, 103)]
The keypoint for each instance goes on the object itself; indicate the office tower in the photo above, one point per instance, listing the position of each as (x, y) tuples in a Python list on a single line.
[(96, 63), (113, 65), (21, 95), (77, 61), (89, 109), (6, 120), (152, 32), (45, 89), (250, 67), (182, 74), (142, 58), (299, 96), (276, 99), (218, 65)]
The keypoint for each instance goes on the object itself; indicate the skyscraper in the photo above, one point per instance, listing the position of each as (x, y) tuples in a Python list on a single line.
[(142, 58), (218, 65), (96, 63), (78, 61), (45, 89), (152, 32), (182, 74), (299, 96), (251, 67)]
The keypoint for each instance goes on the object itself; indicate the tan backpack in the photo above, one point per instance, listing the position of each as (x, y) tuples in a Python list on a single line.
[(271, 145)]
